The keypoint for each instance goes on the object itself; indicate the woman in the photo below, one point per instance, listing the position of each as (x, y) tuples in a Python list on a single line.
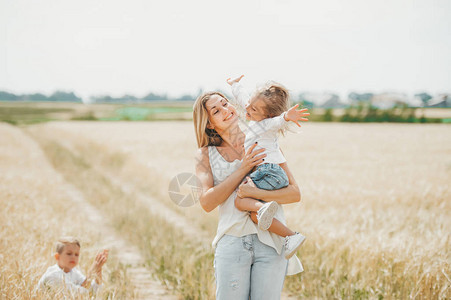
[(248, 261)]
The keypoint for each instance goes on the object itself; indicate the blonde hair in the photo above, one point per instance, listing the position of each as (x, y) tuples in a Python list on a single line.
[(276, 98), (205, 136), (67, 240)]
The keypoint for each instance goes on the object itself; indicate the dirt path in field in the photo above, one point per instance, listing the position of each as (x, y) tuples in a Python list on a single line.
[(145, 286), (129, 255), (191, 230)]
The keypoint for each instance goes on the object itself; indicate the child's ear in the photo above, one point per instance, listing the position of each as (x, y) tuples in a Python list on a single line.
[(57, 256)]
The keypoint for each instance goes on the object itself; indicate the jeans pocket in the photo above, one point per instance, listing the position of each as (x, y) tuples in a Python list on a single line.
[(271, 180), (257, 175)]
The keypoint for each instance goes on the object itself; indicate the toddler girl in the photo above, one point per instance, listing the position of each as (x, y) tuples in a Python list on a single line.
[(268, 114)]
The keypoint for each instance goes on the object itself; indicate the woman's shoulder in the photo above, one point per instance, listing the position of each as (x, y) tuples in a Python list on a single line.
[(202, 156), (201, 152)]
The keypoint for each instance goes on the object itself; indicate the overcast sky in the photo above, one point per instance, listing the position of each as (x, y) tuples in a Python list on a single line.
[(117, 47)]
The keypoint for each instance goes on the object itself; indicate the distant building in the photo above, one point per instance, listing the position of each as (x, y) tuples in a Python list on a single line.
[(333, 102), (388, 100), (324, 100), (442, 100), (416, 102)]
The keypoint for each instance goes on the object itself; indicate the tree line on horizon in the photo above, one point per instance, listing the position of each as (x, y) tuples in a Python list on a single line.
[(62, 96), (56, 96)]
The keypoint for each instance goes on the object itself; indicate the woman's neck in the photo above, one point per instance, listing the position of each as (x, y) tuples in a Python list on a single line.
[(232, 137)]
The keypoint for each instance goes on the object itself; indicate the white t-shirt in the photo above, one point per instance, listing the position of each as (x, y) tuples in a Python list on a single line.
[(265, 132), (71, 281)]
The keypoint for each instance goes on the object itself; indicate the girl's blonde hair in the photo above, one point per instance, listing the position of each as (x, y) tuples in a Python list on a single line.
[(276, 98), (204, 135)]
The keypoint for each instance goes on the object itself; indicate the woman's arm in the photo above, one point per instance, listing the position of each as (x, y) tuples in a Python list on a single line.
[(211, 196), (289, 194)]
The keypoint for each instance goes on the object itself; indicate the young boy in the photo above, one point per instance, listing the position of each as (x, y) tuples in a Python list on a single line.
[(64, 276)]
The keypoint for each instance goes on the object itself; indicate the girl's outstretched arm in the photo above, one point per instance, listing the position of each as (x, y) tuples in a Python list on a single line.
[(239, 93), (289, 194)]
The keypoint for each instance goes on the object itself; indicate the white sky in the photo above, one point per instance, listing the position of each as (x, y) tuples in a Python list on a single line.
[(117, 47)]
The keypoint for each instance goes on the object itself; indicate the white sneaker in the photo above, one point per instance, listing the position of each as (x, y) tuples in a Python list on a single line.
[(292, 243), (265, 215)]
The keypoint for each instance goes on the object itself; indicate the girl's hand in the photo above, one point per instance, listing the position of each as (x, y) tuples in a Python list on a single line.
[(246, 189), (232, 81), (251, 158), (296, 115)]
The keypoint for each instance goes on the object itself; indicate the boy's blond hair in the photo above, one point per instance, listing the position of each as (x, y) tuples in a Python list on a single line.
[(66, 240)]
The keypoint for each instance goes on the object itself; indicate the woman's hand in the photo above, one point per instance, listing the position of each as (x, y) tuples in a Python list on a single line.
[(247, 188), (289, 194), (213, 195), (251, 158), (231, 81)]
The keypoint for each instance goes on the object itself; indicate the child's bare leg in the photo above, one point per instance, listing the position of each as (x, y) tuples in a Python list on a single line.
[(253, 205), (276, 227), (247, 204)]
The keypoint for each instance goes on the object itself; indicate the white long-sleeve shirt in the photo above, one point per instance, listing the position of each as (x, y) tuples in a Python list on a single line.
[(265, 132), (71, 281)]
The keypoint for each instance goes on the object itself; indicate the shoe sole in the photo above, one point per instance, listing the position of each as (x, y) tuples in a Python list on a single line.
[(266, 218), (289, 255)]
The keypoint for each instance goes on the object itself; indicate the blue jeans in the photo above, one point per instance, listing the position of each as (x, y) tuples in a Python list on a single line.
[(245, 267), (269, 177)]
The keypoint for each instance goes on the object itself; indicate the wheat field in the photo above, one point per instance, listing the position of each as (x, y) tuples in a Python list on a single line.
[(376, 206), (35, 213)]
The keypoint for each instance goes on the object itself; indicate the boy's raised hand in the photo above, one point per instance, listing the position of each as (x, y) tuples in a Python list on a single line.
[(96, 269), (295, 115), (231, 81), (99, 261), (101, 258)]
